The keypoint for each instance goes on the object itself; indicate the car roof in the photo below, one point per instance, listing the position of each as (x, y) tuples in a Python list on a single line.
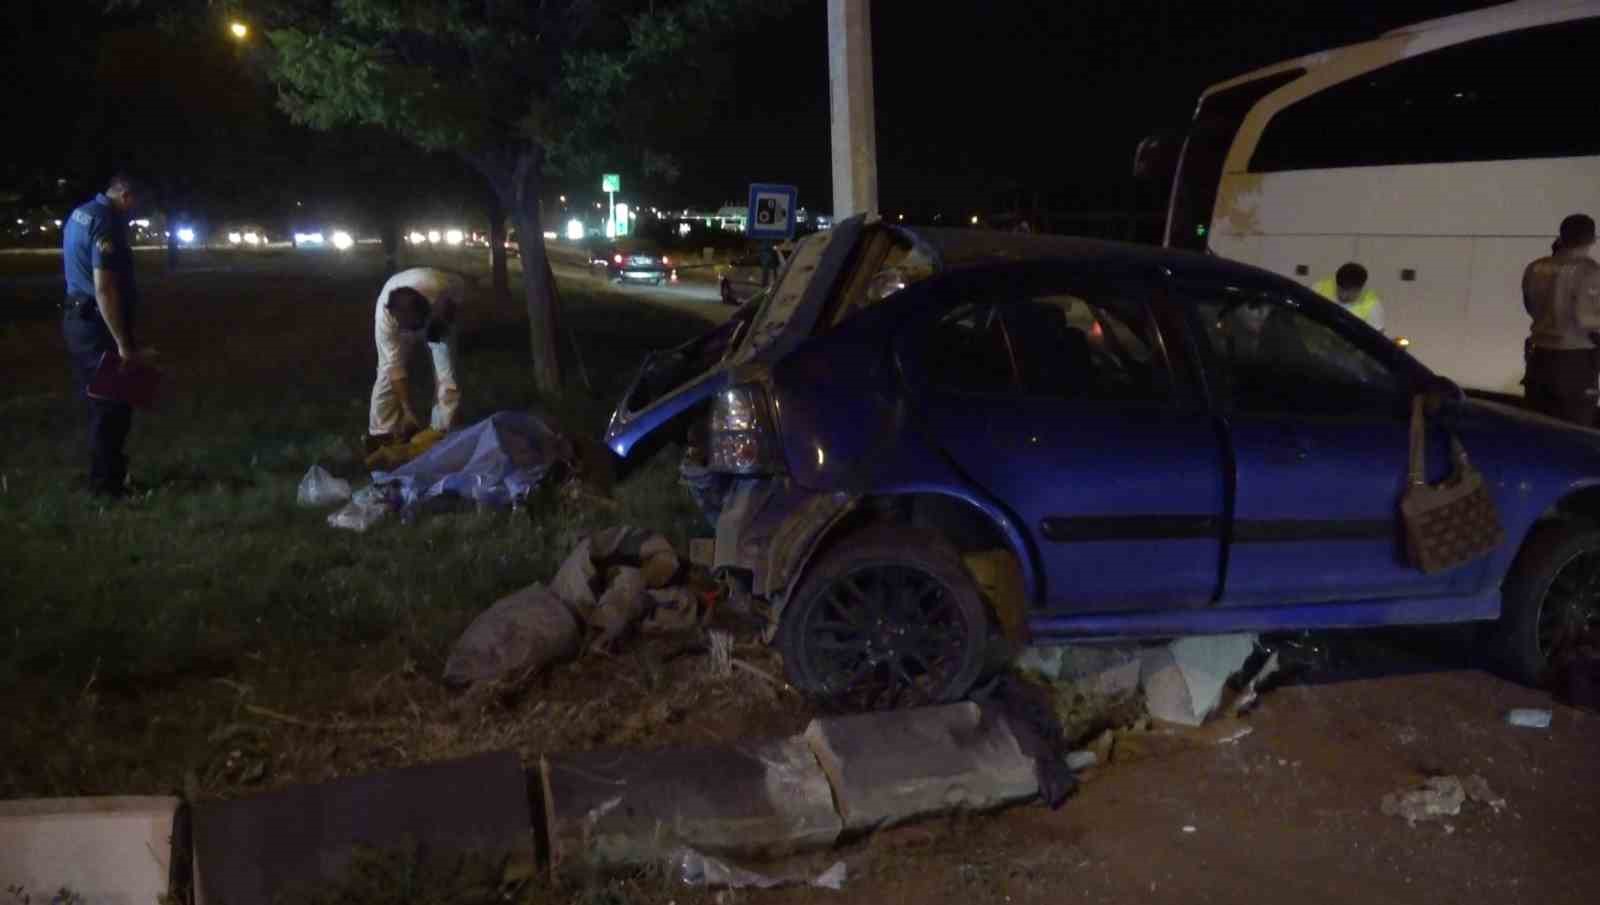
[(959, 249)]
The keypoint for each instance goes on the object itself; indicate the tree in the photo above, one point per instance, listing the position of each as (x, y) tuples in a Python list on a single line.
[(519, 90)]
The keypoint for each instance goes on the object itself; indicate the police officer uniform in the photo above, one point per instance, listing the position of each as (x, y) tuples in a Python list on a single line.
[(95, 237)]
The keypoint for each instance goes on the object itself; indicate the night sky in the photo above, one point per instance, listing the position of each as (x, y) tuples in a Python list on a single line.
[(980, 106)]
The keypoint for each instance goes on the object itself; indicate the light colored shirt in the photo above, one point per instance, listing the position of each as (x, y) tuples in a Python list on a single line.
[(1562, 295), (436, 286)]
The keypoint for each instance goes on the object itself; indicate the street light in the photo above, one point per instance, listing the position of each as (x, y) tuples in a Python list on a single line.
[(239, 30)]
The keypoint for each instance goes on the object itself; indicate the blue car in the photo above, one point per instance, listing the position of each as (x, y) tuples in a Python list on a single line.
[(921, 440)]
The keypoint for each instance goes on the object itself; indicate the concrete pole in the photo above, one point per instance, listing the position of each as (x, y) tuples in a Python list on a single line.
[(855, 136)]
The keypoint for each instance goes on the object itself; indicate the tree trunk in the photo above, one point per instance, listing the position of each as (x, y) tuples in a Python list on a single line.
[(516, 176), (172, 240), (497, 249), (389, 232)]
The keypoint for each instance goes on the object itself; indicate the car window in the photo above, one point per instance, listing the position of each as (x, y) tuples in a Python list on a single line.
[(1087, 346), (1274, 355)]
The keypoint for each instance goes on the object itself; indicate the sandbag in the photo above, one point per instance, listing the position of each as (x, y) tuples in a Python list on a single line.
[(525, 631), (621, 605)]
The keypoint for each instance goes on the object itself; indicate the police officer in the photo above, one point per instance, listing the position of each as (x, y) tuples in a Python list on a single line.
[(100, 311), (1562, 294), (1348, 287)]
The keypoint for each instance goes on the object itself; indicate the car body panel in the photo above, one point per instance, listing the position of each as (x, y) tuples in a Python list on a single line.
[(1181, 519)]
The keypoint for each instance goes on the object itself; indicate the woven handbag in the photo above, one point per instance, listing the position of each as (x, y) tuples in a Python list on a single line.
[(1452, 522)]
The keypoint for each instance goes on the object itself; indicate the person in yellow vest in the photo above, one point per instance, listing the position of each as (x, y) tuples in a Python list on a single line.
[(1348, 287)]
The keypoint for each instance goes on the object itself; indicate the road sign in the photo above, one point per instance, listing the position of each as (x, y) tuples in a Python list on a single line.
[(772, 211), (611, 182)]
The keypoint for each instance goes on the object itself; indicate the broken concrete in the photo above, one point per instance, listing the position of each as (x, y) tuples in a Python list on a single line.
[(893, 767), (1440, 796), (613, 808), (252, 850), (109, 851), (1183, 682)]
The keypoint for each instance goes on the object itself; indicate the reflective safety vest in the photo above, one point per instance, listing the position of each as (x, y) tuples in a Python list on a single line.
[(1367, 307)]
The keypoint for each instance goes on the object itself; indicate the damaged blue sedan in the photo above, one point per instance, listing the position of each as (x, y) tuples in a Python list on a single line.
[(920, 441)]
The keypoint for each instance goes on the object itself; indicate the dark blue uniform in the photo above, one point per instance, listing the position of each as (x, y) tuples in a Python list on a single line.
[(96, 237)]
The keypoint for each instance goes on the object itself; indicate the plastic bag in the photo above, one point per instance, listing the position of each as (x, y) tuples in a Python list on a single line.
[(695, 869), (319, 488)]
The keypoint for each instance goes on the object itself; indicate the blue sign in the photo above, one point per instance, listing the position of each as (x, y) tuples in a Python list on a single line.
[(772, 211)]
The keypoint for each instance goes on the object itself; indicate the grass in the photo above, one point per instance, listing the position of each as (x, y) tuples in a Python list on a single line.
[(141, 643)]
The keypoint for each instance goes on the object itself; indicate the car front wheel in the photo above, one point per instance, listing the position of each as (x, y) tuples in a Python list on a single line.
[(886, 618), (1550, 603)]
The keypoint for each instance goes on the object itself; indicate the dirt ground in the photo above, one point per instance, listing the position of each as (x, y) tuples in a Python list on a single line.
[(1289, 813)]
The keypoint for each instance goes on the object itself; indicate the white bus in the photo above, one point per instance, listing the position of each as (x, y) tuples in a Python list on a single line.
[(1440, 156)]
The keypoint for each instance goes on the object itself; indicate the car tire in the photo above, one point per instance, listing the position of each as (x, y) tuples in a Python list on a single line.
[(1558, 566), (887, 617)]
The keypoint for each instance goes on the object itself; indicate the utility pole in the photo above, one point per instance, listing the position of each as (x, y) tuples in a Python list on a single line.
[(854, 134)]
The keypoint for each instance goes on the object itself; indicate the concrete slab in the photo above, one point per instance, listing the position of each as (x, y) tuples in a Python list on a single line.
[(250, 850), (1183, 682), (763, 799), (892, 767), (111, 851)]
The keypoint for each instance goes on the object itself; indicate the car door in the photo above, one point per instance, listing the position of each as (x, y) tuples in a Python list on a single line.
[(1316, 411), (1052, 393)]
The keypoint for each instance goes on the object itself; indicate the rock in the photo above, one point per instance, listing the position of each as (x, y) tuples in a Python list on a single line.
[(1477, 789), (1101, 746), (1081, 760), (1440, 796), (891, 767), (1183, 682), (255, 851), (628, 807), (116, 850), (619, 607), (574, 581), (1529, 718), (1101, 667), (528, 630)]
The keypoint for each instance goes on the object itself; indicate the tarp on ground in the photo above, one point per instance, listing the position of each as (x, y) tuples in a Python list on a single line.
[(497, 461)]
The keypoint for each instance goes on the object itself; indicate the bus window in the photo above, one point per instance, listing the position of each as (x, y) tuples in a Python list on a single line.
[(1510, 96), (1200, 170)]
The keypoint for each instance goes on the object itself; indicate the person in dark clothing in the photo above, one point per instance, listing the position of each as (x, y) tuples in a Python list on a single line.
[(99, 315), (1561, 293)]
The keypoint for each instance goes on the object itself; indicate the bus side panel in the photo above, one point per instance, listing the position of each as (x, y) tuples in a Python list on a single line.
[(1306, 258), (1430, 308)]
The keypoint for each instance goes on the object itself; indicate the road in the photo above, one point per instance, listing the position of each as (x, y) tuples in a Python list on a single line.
[(38, 271)]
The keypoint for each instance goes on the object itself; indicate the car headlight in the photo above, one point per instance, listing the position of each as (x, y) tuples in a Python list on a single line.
[(342, 240), (740, 438)]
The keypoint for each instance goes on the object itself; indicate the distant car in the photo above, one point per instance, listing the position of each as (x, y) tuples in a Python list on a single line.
[(246, 235), (638, 263), (1155, 444)]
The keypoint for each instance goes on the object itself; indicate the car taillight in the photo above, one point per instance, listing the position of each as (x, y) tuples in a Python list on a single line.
[(741, 439), (617, 258)]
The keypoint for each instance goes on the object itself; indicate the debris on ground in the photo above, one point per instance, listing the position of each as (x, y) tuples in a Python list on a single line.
[(497, 462), (1251, 692), (1183, 683), (368, 507), (1440, 796), (522, 633), (1477, 789), (613, 582), (691, 868), (1082, 760), (320, 488), (1529, 718)]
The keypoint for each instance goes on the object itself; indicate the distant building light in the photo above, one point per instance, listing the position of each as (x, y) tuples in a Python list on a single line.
[(235, 238), (185, 235), (454, 237), (434, 236), (342, 240), (550, 235), (58, 224), (574, 230), (974, 219), (417, 238), (684, 229)]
